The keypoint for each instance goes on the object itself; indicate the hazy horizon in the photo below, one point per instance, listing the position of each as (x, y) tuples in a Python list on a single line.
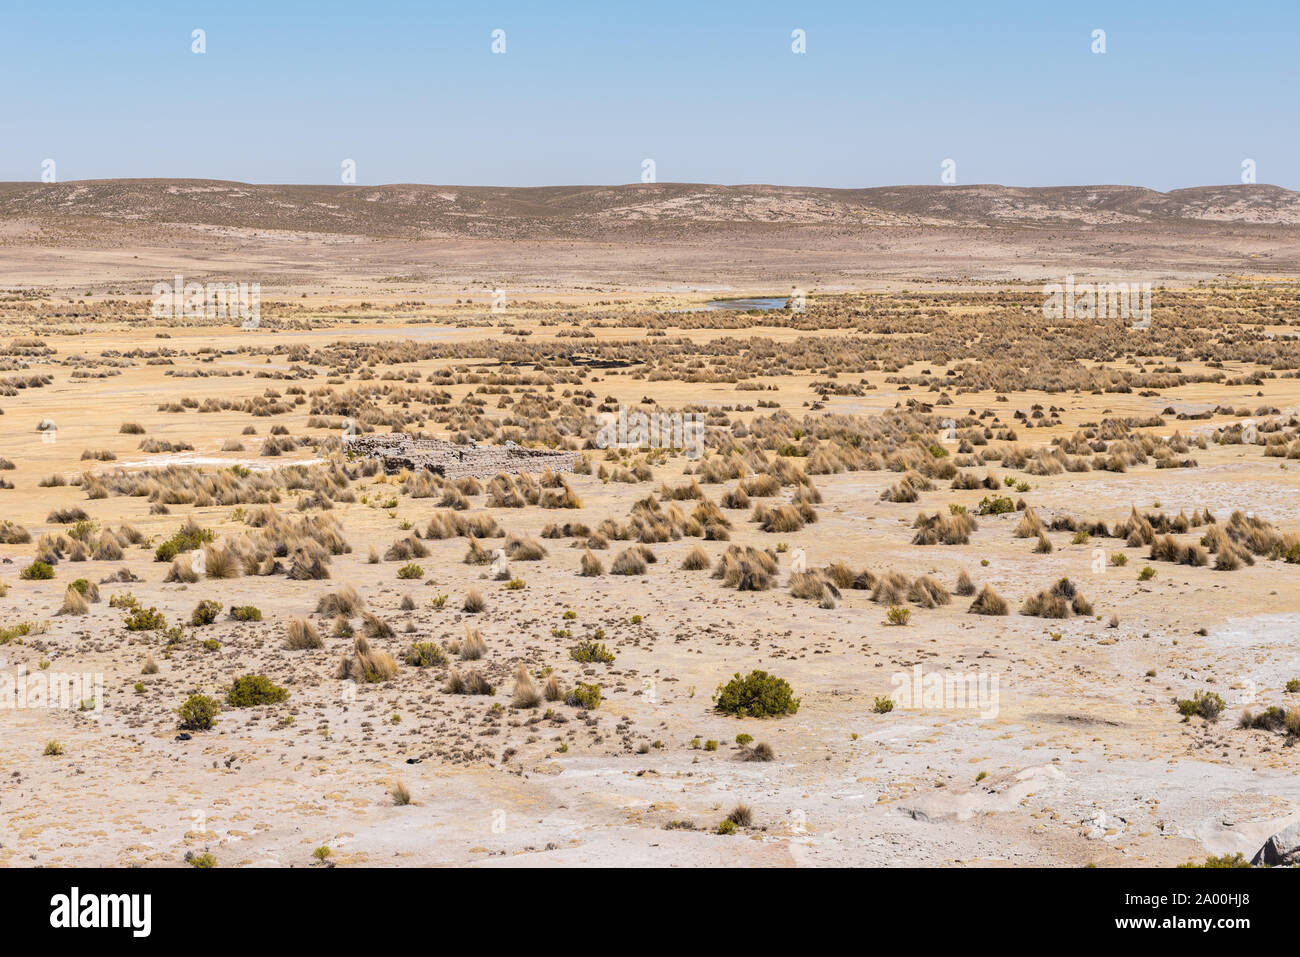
[(242, 182)]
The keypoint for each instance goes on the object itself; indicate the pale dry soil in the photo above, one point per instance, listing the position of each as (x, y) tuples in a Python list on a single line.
[(1086, 760)]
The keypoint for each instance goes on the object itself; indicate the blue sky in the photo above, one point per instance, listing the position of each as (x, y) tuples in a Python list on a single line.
[(710, 91)]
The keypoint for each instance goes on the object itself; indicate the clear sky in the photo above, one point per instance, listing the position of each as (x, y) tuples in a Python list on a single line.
[(711, 91)]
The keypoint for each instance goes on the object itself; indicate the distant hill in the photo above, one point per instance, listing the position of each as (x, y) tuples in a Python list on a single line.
[(599, 212)]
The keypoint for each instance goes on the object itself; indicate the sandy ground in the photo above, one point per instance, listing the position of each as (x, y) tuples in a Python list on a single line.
[(1085, 761)]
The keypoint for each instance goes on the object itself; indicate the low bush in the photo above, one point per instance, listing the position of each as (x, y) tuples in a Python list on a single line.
[(199, 713), (145, 619), (252, 690), (757, 695), (583, 696), (592, 651), (205, 613)]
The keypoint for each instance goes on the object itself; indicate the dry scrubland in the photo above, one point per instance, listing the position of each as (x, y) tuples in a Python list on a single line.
[(1110, 525)]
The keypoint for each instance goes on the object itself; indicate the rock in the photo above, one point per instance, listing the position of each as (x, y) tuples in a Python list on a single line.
[(1101, 826), (1282, 849), (182, 737)]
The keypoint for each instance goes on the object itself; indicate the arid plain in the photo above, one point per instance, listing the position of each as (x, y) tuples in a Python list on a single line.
[(908, 465)]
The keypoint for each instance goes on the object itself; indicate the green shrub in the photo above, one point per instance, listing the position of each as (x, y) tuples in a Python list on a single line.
[(82, 587), (1293, 686), (883, 705), (424, 654), (898, 615), (245, 613), (20, 630), (410, 570), (187, 538), (202, 860), (1207, 704), (145, 619), (757, 695), (728, 826), (199, 713), (584, 696), (1146, 574), (591, 651), (37, 571), (205, 613), (996, 505), (252, 690), (743, 739)]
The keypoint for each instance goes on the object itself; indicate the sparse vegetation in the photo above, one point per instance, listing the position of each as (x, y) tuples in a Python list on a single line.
[(250, 691), (199, 713), (757, 695)]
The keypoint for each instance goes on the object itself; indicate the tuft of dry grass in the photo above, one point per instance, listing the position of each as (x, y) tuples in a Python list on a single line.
[(890, 588), (300, 635), (374, 627), (807, 585), (551, 690), (366, 666), (591, 565), (697, 560), (840, 575), (928, 592), (182, 570), (220, 562), (742, 815), (472, 648), (762, 751), (471, 683), (74, 603), (630, 561), (344, 602), (988, 602), (525, 693), (782, 519), (1060, 601)]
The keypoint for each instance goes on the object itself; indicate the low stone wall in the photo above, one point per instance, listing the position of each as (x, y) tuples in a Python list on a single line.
[(398, 451)]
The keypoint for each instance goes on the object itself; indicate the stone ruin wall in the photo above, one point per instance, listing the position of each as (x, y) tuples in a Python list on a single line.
[(397, 451)]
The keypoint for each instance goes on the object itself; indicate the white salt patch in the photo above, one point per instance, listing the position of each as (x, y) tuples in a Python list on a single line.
[(1257, 631)]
